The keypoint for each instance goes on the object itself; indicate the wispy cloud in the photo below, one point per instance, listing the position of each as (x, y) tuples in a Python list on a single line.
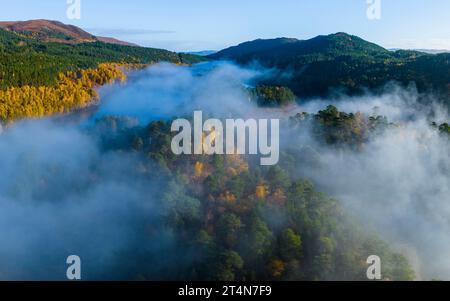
[(178, 45), (127, 31)]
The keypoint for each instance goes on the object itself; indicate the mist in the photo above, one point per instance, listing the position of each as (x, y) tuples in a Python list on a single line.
[(60, 194), (166, 91), (53, 205), (398, 185)]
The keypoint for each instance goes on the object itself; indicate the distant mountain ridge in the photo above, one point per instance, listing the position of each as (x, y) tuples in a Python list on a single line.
[(55, 31), (336, 44), (252, 48)]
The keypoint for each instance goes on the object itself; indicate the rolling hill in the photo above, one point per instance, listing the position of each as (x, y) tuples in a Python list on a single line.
[(341, 62), (54, 31), (287, 49)]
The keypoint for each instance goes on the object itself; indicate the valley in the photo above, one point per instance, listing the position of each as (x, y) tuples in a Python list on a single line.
[(88, 167)]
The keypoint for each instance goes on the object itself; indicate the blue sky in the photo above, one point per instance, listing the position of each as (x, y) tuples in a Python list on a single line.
[(183, 25)]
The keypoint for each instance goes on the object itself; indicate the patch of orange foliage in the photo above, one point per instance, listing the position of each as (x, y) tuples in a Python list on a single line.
[(261, 191), (276, 267), (199, 166), (228, 198)]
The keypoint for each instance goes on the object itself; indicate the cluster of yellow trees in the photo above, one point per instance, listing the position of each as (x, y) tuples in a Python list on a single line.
[(73, 90)]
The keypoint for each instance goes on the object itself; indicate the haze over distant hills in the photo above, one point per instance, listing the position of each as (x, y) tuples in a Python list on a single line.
[(430, 51), (203, 52)]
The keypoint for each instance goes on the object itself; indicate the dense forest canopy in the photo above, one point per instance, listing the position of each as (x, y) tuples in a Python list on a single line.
[(247, 222)]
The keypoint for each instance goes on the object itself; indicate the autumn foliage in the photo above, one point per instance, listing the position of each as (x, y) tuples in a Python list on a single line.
[(73, 90)]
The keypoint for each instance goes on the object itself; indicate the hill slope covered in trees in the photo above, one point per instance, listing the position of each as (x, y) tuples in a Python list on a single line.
[(343, 62), (30, 67)]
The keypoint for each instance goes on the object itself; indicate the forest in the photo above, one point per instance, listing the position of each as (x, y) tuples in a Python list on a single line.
[(28, 61), (73, 90), (272, 96), (236, 220), (41, 78)]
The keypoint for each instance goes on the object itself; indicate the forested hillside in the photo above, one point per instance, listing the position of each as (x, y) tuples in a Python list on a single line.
[(39, 78), (343, 63), (25, 61)]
